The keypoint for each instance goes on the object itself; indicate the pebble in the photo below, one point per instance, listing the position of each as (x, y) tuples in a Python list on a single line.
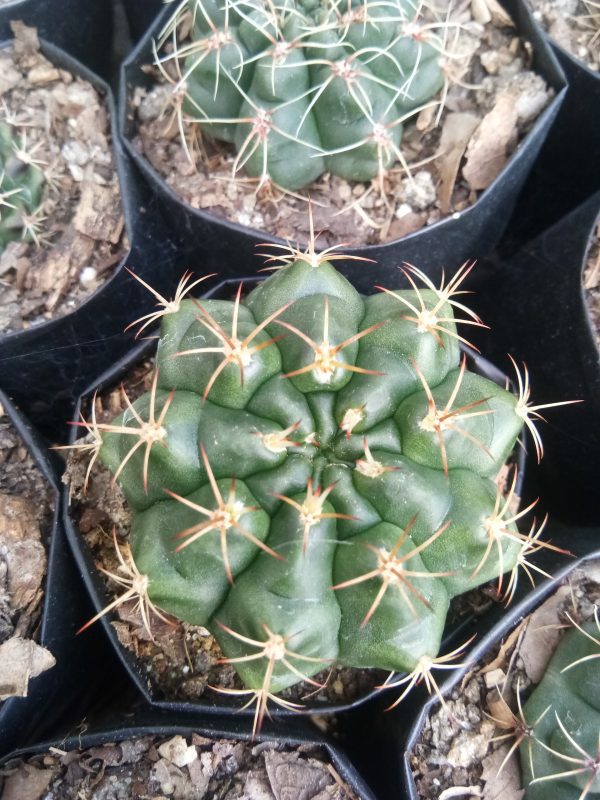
[(87, 277), (419, 192)]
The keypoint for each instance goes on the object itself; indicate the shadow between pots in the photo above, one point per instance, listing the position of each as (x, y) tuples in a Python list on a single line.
[(536, 306), (81, 28)]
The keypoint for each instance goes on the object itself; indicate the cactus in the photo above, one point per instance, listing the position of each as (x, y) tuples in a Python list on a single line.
[(561, 758), (312, 474), (305, 87), (21, 182)]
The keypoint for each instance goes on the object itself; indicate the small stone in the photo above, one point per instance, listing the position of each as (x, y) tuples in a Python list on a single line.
[(176, 751), (419, 192), (87, 277), (402, 210), (75, 153)]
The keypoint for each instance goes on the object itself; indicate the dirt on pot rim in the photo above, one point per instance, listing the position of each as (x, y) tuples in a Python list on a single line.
[(455, 749), (591, 282), (26, 510), (190, 767), (574, 25), (75, 236), (493, 101)]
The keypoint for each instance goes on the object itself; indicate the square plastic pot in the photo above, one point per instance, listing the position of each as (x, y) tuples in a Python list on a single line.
[(214, 703), (228, 247), (121, 727)]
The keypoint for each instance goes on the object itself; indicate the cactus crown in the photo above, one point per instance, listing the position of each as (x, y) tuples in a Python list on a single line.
[(303, 87), (312, 474), (21, 182), (561, 759)]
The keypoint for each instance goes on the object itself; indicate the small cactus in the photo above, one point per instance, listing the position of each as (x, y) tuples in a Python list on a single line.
[(21, 183), (561, 758), (304, 87), (312, 474)]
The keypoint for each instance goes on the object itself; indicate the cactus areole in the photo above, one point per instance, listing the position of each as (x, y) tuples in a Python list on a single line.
[(312, 474), (305, 87)]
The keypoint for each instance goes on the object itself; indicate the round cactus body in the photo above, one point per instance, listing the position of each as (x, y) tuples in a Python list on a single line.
[(311, 476), (306, 88), (561, 759)]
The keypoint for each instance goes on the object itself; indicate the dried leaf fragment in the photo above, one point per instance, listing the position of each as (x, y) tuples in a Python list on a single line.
[(21, 660), (489, 148), (27, 783), (456, 134)]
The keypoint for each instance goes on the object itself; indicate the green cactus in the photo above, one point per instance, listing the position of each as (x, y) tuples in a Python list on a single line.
[(561, 757), (312, 474), (302, 88), (21, 183)]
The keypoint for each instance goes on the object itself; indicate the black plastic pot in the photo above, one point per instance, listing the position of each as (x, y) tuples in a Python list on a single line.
[(141, 14), (79, 27), (538, 308), (486, 644), (228, 247), (212, 702), (58, 693), (45, 367), (567, 170), (382, 757), (148, 723)]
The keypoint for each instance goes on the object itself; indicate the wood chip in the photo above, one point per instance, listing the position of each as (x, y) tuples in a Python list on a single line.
[(96, 215)]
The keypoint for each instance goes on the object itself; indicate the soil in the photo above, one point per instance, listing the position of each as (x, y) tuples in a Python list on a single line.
[(62, 122), (455, 750), (181, 661), (26, 506), (493, 100), (591, 283), (572, 24), (182, 768)]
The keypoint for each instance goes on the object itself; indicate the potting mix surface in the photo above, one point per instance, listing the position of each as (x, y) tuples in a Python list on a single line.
[(75, 236)]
